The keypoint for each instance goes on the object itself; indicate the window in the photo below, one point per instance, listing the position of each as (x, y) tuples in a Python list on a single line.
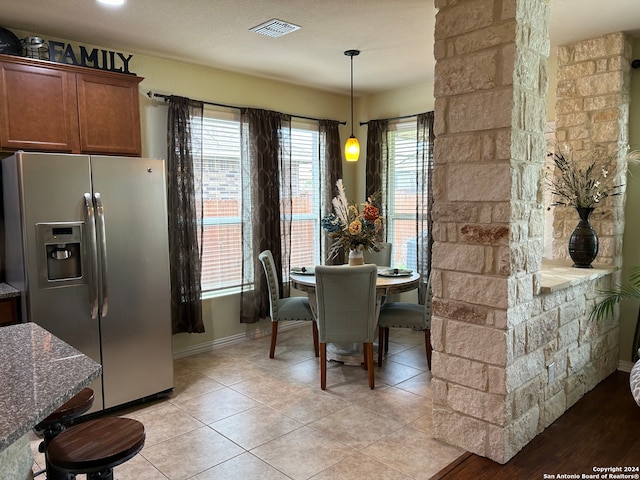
[(305, 178), (406, 192), (221, 180), (222, 185)]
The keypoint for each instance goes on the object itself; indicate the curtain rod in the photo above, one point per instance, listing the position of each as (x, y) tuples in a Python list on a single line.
[(151, 94), (392, 118)]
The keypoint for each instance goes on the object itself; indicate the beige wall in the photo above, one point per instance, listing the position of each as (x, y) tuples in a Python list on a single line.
[(170, 77), (221, 314), (631, 239)]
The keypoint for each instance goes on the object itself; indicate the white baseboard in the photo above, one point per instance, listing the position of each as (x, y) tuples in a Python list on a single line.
[(233, 339), (625, 366)]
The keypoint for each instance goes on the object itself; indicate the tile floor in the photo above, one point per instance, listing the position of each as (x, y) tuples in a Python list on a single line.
[(236, 414)]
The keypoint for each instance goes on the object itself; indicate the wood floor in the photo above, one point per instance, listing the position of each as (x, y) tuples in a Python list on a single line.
[(601, 430)]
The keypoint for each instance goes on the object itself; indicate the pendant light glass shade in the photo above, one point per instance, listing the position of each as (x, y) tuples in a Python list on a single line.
[(352, 147)]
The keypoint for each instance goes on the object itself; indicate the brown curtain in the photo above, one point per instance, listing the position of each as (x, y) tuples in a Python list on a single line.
[(184, 204), (377, 165), (330, 172), (377, 156), (266, 158), (424, 188), (377, 180)]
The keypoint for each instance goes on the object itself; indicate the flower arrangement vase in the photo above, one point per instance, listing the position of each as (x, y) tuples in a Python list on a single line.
[(583, 242), (356, 257)]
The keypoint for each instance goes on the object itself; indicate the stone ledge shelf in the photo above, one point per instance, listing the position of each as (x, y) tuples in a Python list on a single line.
[(557, 275)]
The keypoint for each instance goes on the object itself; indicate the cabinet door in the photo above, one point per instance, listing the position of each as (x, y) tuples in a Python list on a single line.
[(8, 311), (109, 113), (38, 109)]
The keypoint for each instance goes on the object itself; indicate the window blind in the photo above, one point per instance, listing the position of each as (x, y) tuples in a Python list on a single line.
[(217, 171), (406, 196)]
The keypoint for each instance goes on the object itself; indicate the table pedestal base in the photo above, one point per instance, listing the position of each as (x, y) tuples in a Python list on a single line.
[(350, 354)]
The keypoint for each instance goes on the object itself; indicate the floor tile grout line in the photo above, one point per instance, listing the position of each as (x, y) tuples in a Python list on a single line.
[(203, 367)]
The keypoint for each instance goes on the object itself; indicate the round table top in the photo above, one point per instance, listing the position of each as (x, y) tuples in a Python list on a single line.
[(385, 285)]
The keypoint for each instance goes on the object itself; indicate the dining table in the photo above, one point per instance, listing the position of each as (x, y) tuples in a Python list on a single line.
[(389, 281)]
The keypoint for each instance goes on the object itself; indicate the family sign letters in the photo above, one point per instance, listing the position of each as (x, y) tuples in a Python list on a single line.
[(101, 59)]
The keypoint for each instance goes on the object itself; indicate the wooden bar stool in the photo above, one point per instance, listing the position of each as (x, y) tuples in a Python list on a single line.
[(57, 422), (96, 446)]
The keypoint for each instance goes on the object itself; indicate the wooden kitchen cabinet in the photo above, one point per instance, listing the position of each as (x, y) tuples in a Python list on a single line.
[(46, 106), (39, 108), (9, 311), (109, 114), (9, 305)]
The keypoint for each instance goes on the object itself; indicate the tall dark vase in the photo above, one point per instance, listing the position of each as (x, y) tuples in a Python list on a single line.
[(583, 242)]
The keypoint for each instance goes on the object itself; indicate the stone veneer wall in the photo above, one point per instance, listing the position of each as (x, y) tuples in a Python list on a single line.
[(493, 333), (592, 115), (490, 117)]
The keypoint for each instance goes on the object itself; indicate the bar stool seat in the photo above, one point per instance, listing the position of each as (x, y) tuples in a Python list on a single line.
[(57, 422), (80, 403), (96, 446)]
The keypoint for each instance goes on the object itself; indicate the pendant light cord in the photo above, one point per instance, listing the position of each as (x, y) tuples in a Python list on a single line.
[(352, 146), (351, 95), (352, 53)]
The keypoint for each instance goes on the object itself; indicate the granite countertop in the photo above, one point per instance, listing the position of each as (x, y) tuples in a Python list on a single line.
[(38, 373), (7, 291), (559, 274)]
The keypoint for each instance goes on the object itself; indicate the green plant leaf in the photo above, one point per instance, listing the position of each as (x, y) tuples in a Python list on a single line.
[(627, 291)]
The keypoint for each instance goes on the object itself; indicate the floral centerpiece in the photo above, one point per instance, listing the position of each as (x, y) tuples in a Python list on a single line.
[(350, 228)]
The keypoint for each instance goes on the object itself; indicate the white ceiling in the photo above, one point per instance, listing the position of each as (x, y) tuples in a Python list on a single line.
[(395, 36)]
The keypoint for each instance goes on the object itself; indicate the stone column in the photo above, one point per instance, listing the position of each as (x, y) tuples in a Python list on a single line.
[(592, 114), (490, 87)]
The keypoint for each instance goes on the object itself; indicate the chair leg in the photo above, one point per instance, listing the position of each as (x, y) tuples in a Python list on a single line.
[(427, 344), (365, 363), (314, 327), (368, 348), (386, 340), (274, 337), (323, 366), (380, 344)]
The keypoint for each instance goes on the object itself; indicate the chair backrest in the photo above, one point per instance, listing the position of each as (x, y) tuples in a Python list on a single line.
[(346, 303), (428, 305), (383, 257), (266, 258)]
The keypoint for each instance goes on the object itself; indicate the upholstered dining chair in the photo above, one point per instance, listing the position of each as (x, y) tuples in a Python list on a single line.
[(382, 258), (405, 315), (346, 298), (291, 308)]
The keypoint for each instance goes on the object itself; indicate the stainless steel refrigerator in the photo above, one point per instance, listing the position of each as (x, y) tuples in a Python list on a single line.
[(86, 243)]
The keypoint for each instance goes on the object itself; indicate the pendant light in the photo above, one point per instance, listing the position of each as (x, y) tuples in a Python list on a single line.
[(352, 147)]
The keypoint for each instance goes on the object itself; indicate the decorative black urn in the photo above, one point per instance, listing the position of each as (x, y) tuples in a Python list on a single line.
[(583, 242)]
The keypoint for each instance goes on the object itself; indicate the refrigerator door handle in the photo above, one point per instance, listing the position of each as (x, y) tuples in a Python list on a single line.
[(102, 246), (93, 255)]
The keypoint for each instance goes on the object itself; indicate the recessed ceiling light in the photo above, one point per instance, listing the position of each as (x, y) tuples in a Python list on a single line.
[(115, 3)]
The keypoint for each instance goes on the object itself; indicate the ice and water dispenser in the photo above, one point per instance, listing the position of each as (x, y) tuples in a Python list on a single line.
[(59, 253)]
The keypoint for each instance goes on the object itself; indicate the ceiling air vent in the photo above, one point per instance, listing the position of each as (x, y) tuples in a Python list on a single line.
[(275, 28)]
